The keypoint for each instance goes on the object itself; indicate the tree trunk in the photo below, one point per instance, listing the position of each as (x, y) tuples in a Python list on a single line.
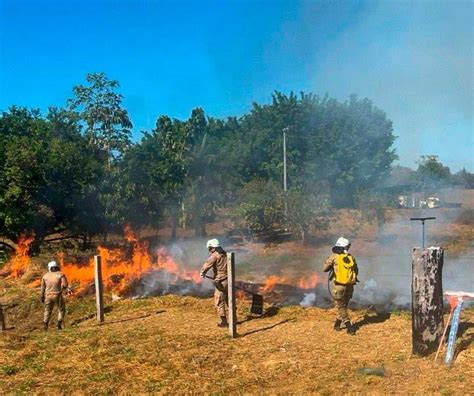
[(8, 246), (303, 235), (427, 299), (200, 229), (173, 228), (183, 214)]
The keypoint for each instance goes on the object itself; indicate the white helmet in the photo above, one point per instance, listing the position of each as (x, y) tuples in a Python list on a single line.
[(213, 243), (342, 242), (52, 264)]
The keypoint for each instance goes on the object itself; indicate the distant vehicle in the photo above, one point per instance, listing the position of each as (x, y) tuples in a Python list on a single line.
[(416, 201), (433, 202)]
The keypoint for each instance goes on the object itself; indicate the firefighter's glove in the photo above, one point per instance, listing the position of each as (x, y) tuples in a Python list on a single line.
[(202, 275)]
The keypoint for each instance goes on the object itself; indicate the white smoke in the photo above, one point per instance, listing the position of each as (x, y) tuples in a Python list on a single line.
[(308, 300)]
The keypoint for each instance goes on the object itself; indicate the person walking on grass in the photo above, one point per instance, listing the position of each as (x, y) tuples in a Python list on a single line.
[(218, 262), (53, 284), (343, 271)]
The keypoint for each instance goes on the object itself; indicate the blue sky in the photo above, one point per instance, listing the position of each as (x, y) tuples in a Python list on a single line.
[(414, 59)]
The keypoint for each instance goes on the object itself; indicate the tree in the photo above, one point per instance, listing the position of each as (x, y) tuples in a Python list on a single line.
[(307, 207), (46, 169), (464, 178), (172, 136), (431, 174), (260, 206), (106, 123), (347, 145), (205, 170)]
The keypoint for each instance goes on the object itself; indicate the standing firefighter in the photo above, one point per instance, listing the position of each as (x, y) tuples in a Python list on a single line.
[(343, 272), (218, 262), (53, 284)]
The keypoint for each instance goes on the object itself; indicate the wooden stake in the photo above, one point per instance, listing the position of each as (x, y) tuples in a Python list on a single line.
[(427, 299), (99, 297), (231, 295), (2, 319), (441, 342)]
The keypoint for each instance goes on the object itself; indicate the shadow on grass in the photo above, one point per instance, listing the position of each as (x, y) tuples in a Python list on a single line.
[(134, 318), (267, 327), (464, 344), (269, 312), (463, 327), (380, 317), (75, 322)]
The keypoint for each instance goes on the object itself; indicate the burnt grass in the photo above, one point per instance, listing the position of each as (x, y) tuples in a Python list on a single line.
[(171, 344)]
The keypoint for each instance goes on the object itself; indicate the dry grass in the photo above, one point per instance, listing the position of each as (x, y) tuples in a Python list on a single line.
[(172, 345)]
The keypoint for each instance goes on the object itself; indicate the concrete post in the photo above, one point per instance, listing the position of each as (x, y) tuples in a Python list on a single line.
[(231, 294), (99, 297), (427, 299)]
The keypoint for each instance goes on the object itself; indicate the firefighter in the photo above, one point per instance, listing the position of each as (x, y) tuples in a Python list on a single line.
[(343, 272), (53, 284), (218, 262)]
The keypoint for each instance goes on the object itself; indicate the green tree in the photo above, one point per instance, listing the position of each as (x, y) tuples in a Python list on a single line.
[(431, 174), (464, 178), (172, 136), (348, 145), (260, 206), (206, 172), (308, 208), (107, 125), (46, 170)]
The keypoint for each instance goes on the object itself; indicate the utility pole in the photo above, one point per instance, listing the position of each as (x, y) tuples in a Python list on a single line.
[(231, 295), (284, 157), (286, 129)]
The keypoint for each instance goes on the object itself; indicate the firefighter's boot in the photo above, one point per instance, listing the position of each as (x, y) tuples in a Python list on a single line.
[(337, 325), (223, 322), (60, 325), (45, 326), (351, 330)]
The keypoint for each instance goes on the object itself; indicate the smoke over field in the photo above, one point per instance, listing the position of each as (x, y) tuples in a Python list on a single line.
[(286, 273)]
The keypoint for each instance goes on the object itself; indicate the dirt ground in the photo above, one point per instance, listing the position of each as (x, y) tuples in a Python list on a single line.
[(171, 344)]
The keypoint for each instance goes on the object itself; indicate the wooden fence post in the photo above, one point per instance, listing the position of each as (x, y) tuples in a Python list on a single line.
[(427, 299), (99, 297), (231, 295), (2, 319)]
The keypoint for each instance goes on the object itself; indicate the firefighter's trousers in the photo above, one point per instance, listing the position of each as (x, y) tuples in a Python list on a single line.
[(342, 295), (220, 299), (50, 301)]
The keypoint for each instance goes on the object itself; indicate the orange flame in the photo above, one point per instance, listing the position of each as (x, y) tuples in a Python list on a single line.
[(272, 281), (119, 270), (240, 295), (20, 263), (309, 283), (303, 283)]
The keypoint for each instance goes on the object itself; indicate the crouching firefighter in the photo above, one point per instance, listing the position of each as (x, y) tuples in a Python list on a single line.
[(53, 284), (343, 270), (218, 262)]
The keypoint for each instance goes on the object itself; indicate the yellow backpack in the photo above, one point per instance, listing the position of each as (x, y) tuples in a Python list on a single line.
[(345, 270)]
